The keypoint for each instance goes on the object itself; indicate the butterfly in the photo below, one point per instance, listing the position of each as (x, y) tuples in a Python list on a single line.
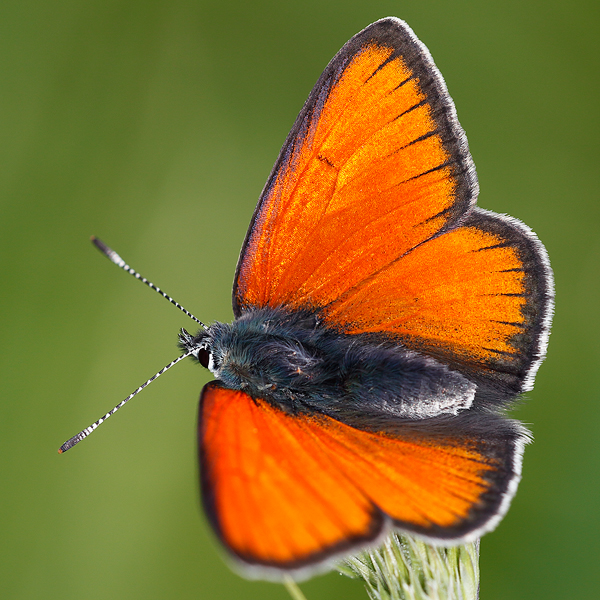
[(383, 326)]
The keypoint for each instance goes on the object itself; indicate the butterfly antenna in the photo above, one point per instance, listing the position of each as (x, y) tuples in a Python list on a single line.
[(83, 434), (115, 258)]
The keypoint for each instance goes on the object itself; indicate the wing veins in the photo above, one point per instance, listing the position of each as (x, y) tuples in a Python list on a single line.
[(308, 483), (360, 284), (315, 152)]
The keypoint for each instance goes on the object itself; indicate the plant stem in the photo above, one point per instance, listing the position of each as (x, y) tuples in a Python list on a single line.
[(292, 587)]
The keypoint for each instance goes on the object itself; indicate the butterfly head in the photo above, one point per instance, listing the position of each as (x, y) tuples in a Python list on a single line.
[(200, 347), (261, 353)]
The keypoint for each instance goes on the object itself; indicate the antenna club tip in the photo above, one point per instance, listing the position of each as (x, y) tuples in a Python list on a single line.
[(69, 444), (98, 243), (103, 248)]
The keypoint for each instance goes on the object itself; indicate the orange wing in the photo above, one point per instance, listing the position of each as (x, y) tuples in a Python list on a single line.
[(375, 164), (290, 491), (368, 218), (477, 297)]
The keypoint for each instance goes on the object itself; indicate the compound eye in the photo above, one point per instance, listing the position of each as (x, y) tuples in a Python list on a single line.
[(204, 357)]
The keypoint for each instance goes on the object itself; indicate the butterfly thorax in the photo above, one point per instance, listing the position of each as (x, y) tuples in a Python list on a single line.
[(297, 362)]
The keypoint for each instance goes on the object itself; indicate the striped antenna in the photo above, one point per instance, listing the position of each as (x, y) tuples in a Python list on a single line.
[(83, 434), (115, 258)]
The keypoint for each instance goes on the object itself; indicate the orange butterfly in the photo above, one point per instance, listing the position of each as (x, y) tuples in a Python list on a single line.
[(383, 326)]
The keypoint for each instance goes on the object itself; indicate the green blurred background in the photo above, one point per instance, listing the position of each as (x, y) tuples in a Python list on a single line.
[(153, 125)]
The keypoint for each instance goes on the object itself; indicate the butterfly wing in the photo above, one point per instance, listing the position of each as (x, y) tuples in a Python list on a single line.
[(477, 297), (375, 164), (289, 492), (368, 218)]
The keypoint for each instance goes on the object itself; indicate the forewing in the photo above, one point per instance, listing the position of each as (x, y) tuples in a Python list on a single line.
[(375, 164), (289, 492)]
